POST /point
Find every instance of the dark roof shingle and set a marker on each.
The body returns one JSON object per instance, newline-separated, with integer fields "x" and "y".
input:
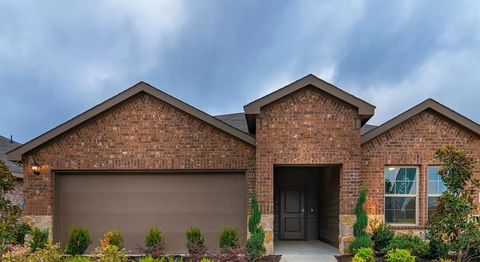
{"x": 5, "y": 146}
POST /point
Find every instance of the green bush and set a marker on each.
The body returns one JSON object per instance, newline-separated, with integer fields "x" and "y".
{"x": 207, "y": 260}
{"x": 381, "y": 236}
{"x": 154, "y": 238}
{"x": 48, "y": 253}
{"x": 254, "y": 245}
{"x": 195, "y": 241}
{"x": 358, "y": 259}
{"x": 414, "y": 244}
{"x": 399, "y": 255}
{"x": 360, "y": 242}
{"x": 436, "y": 248}
{"x": 361, "y": 218}
{"x": 228, "y": 239}
{"x": 113, "y": 238}
{"x": 162, "y": 259}
{"x": 78, "y": 242}
{"x": 39, "y": 239}
{"x": 361, "y": 221}
{"x": 365, "y": 253}
{"x": 149, "y": 259}
{"x": 110, "y": 253}
{"x": 20, "y": 231}
{"x": 77, "y": 259}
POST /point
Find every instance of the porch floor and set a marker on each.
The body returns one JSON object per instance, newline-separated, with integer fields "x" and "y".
{"x": 293, "y": 251}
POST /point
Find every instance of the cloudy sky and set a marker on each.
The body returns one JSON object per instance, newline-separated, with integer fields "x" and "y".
{"x": 58, "y": 59}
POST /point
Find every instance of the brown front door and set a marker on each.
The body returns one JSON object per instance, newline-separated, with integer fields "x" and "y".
{"x": 292, "y": 212}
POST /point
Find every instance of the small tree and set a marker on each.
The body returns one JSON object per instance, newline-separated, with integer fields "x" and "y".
{"x": 360, "y": 226}
{"x": 452, "y": 220}
{"x": 9, "y": 213}
{"x": 255, "y": 246}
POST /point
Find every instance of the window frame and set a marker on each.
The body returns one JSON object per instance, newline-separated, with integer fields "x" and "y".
{"x": 416, "y": 195}
{"x": 428, "y": 188}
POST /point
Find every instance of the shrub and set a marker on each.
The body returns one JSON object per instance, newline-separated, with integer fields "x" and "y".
{"x": 112, "y": 238}
{"x": 436, "y": 248}
{"x": 154, "y": 243}
{"x": 365, "y": 253}
{"x": 154, "y": 238}
{"x": 381, "y": 236}
{"x": 207, "y": 260}
{"x": 228, "y": 239}
{"x": 39, "y": 239}
{"x": 48, "y": 253}
{"x": 20, "y": 231}
{"x": 361, "y": 220}
{"x": 10, "y": 213}
{"x": 414, "y": 244}
{"x": 255, "y": 246}
{"x": 77, "y": 259}
{"x": 360, "y": 242}
{"x": 358, "y": 259}
{"x": 163, "y": 259}
{"x": 195, "y": 241}
{"x": 110, "y": 253}
{"x": 399, "y": 255}
{"x": 78, "y": 242}
{"x": 148, "y": 259}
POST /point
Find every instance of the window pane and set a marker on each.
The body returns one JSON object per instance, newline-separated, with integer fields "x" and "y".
{"x": 432, "y": 203}
{"x": 400, "y": 210}
{"x": 400, "y": 180}
{"x": 435, "y": 182}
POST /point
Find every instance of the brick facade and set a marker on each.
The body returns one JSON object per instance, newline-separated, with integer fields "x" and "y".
{"x": 412, "y": 143}
{"x": 308, "y": 127}
{"x": 140, "y": 133}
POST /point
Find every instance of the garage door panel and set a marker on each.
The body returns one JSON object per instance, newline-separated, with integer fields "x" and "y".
{"x": 133, "y": 203}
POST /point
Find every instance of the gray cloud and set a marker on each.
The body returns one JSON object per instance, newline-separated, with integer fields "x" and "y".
{"x": 61, "y": 58}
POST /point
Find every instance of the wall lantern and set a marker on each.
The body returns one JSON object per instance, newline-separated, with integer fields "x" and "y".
{"x": 36, "y": 168}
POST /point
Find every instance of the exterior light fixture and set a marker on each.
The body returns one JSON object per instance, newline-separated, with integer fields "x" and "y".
{"x": 35, "y": 168}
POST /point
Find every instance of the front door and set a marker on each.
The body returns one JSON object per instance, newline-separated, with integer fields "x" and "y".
{"x": 292, "y": 211}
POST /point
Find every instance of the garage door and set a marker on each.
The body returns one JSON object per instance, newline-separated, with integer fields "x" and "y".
{"x": 133, "y": 203}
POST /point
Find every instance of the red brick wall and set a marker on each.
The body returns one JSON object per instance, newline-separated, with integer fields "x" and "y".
{"x": 308, "y": 127}
{"x": 412, "y": 143}
{"x": 141, "y": 133}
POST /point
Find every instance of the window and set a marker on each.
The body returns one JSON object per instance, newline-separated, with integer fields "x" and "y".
{"x": 401, "y": 195}
{"x": 435, "y": 188}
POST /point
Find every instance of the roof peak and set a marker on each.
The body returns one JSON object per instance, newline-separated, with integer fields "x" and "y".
{"x": 428, "y": 103}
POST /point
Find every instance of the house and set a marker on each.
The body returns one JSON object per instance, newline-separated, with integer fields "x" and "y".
{"x": 16, "y": 196}
{"x": 144, "y": 158}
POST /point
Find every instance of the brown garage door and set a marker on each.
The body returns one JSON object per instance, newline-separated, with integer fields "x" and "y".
{"x": 133, "y": 203}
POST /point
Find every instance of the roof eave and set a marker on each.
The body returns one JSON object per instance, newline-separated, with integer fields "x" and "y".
{"x": 425, "y": 105}
{"x": 16, "y": 154}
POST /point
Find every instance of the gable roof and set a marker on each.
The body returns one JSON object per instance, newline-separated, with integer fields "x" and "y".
{"x": 365, "y": 110}
{"x": 7, "y": 144}
{"x": 427, "y": 104}
{"x": 16, "y": 154}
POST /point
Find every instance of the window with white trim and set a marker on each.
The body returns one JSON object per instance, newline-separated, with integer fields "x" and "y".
{"x": 401, "y": 195}
{"x": 435, "y": 188}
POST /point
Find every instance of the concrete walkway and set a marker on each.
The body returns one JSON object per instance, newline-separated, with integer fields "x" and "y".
{"x": 305, "y": 251}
